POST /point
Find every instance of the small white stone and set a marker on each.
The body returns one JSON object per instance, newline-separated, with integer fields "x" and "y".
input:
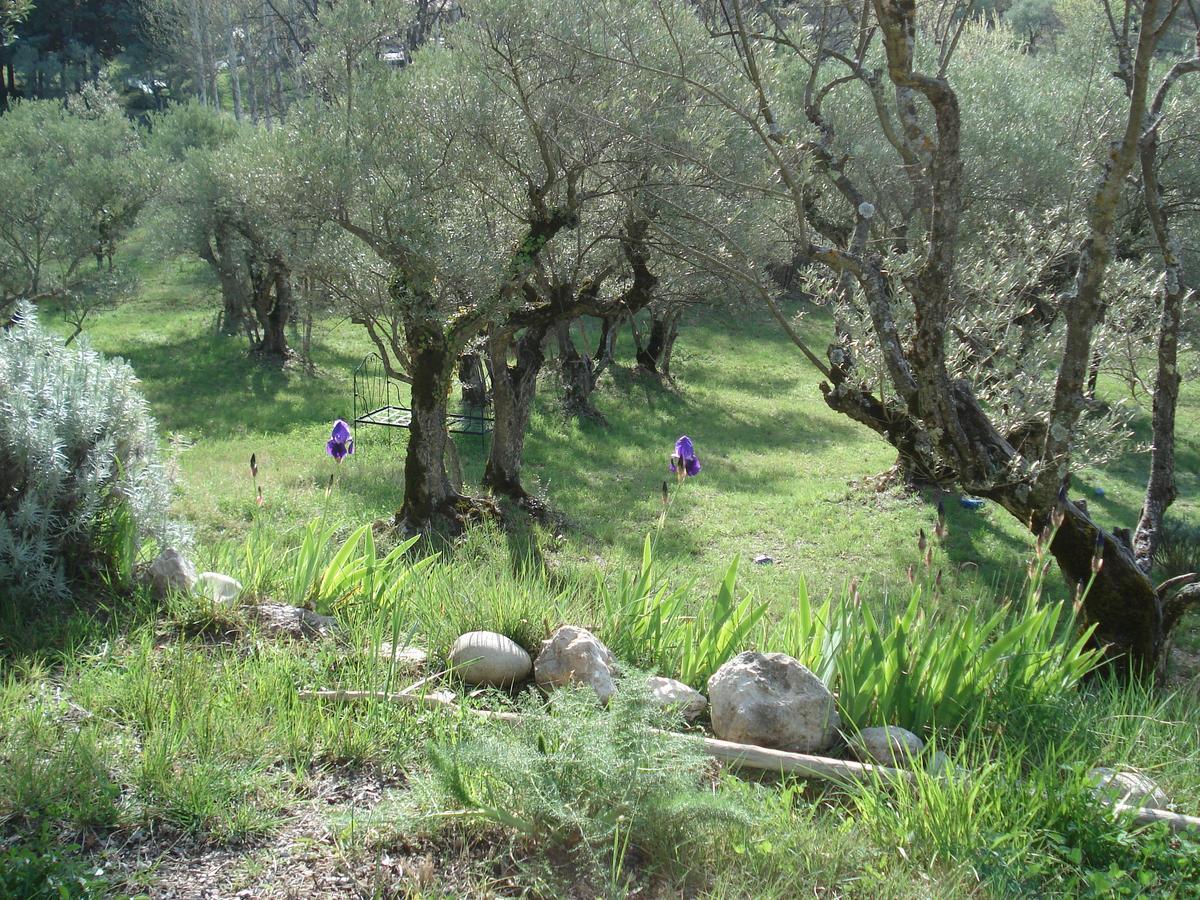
{"x": 888, "y": 745}
{"x": 217, "y": 587}
{"x": 488, "y": 658}
{"x": 667, "y": 693}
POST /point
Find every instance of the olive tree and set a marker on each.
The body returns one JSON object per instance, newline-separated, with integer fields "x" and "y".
{"x": 454, "y": 175}
{"x": 75, "y": 179}
{"x": 888, "y": 240}
{"x": 227, "y": 198}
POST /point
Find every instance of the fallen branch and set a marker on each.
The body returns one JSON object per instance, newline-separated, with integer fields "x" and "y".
{"x": 1149, "y": 815}
{"x": 749, "y": 756}
{"x": 745, "y": 756}
{"x": 1178, "y": 581}
{"x": 842, "y": 771}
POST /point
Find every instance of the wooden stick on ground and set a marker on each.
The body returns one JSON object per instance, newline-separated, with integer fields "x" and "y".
{"x": 841, "y": 771}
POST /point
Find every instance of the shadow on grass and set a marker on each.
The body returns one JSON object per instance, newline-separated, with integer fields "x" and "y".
{"x": 57, "y": 631}
{"x": 212, "y": 384}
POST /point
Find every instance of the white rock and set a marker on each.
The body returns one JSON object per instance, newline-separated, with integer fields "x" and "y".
{"x": 940, "y": 764}
{"x": 1129, "y": 787}
{"x": 574, "y": 655}
{"x": 404, "y": 657}
{"x": 488, "y": 658}
{"x": 771, "y": 700}
{"x": 217, "y": 587}
{"x": 171, "y": 572}
{"x": 667, "y": 693}
{"x": 281, "y": 620}
{"x": 888, "y": 745}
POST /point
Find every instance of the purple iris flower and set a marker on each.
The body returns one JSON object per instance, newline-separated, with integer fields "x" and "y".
{"x": 340, "y": 444}
{"x": 684, "y": 460}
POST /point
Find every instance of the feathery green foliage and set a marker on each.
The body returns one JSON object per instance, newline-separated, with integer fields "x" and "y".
{"x": 596, "y": 784}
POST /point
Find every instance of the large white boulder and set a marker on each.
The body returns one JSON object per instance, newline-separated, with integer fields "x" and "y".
{"x": 1124, "y": 786}
{"x": 171, "y": 572}
{"x": 667, "y": 693}
{"x": 488, "y": 658}
{"x": 573, "y": 655}
{"x": 888, "y": 745}
{"x": 771, "y": 700}
{"x": 217, "y": 587}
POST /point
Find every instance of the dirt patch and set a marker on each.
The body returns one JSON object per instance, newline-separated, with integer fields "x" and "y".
{"x": 302, "y": 858}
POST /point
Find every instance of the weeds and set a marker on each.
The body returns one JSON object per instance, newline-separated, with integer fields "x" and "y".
{"x": 47, "y": 870}
{"x": 599, "y": 788}
{"x": 646, "y": 621}
{"x": 208, "y": 739}
{"x": 1178, "y": 550}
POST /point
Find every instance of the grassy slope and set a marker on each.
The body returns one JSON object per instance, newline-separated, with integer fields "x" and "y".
{"x": 201, "y": 741}
{"x": 779, "y": 467}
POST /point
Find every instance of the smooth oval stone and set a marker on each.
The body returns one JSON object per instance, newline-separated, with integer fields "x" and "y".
{"x": 488, "y": 658}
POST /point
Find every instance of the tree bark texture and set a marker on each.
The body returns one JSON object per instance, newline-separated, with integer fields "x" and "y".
{"x": 577, "y": 378}
{"x": 513, "y": 386}
{"x": 428, "y": 493}
{"x": 1161, "y": 489}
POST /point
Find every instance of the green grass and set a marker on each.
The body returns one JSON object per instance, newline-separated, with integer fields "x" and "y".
{"x": 782, "y": 473}
{"x": 197, "y": 736}
{"x": 182, "y": 723}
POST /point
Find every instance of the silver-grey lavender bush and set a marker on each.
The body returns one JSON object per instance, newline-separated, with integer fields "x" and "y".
{"x": 80, "y": 472}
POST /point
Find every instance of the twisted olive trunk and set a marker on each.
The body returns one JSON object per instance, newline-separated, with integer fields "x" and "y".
{"x": 655, "y": 356}
{"x": 429, "y": 495}
{"x": 1122, "y": 601}
{"x": 235, "y": 298}
{"x": 1161, "y": 489}
{"x": 471, "y": 379}
{"x": 578, "y": 379}
{"x": 513, "y": 390}
{"x": 273, "y": 309}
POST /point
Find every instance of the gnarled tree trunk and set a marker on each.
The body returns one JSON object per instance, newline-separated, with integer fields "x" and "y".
{"x": 471, "y": 377}
{"x": 235, "y": 298}
{"x": 576, "y": 372}
{"x": 274, "y": 308}
{"x": 513, "y": 389}
{"x": 655, "y": 356}
{"x": 1161, "y": 489}
{"x": 606, "y": 347}
{"x": 429, "y": 495}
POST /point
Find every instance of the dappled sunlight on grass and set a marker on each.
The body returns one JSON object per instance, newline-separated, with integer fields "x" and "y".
{"x": 782, "y": 473}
